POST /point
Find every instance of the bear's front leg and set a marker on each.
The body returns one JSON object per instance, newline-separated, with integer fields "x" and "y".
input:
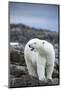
{"x": 50, "y": 67}
{"x": 49, "y": 71}
{"x": 41, "y": 68}
{"x": 31, "y": 68}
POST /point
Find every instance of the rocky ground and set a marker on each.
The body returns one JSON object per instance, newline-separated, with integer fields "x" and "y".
{"x": 18, "y": 73}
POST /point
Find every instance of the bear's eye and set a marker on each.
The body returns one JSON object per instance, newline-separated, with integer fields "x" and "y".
{"x": 43, "y": 42}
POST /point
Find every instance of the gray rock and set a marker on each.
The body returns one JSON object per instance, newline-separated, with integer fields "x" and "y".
{"x": 29, "y": 81}
{"x": 17, "y": 70}
{"x": 55, "y": 73}
{"x": 19, "y": 77}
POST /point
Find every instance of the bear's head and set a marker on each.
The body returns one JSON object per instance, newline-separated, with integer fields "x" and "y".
{"x": 40, "y": 46}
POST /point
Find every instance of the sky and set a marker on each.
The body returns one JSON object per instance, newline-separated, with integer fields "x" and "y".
{"x": 40, "y": 16}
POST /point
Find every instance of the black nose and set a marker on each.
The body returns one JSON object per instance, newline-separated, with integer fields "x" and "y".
{"x": 29, "y": 46}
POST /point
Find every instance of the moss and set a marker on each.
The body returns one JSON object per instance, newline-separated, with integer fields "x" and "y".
{"x": 16, "y": 57}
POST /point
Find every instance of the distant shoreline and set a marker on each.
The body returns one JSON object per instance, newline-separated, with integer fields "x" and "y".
{"x": 24, "y": 25}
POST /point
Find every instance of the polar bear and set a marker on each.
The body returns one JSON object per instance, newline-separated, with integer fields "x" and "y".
{"x": 40, "y": 57}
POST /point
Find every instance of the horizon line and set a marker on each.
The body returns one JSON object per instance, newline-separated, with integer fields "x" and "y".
{"x": 34, "y": 27}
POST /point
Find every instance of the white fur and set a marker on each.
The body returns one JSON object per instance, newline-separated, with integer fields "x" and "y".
{"x": 40, "y": 61}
